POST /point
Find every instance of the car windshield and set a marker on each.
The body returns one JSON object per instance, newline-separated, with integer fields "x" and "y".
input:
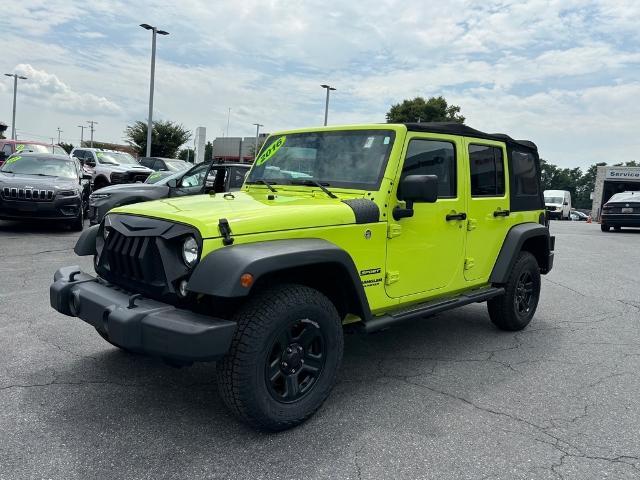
{"x": 553, "y": 199}
{"x": 46, "y": 166}
{"x": 625, "y": 197}
{"x": 161, "y": 178}
{"x": 116, "y": 158}
{"x": 32, "y": 148}
{"x": 57, "y": 150}
{"x": 349, "y": 159}
{"x": 176, "y": 165}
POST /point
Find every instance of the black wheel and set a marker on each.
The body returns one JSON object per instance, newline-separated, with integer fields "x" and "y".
{"x": 78, "y": 224}
{"x": 283, "y": 359}
{"x": 106, "y": 338}
{"x": 604, "y": 228}
{"x": 515, "y": 309}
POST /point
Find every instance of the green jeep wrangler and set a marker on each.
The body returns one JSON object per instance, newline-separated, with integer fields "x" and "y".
{"x": 366, "y": 225}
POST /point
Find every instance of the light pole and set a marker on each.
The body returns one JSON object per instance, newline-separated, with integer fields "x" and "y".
{"x": 92, "y": 123}
{"x": 59, "y": 132}
{"x": 155, "y": 32}
{"x": 81, "y": 127}
{"x": 326, "y": 105}
{"x": 15, "y": 91}
{"x": 255, "y": 153}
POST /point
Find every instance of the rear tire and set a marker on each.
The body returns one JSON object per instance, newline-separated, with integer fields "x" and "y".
{"x": 283, "y": 359}
{"x": 604, "y": 228}
{"x": 514, "y": 310}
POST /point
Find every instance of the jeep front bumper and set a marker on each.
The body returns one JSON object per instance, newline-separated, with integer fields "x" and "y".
{"x": 140, "y": 324}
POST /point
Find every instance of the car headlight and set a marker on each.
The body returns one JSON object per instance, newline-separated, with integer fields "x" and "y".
{"x": 99, "y": 196}
{"x": 190, "y": 251}
{"x": 69, "y": 193}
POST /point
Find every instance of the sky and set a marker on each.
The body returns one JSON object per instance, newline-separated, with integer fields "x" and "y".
{"x": 564, "y": 74}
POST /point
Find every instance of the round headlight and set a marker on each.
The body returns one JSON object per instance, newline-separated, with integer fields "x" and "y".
{"x": 190, "y": 251}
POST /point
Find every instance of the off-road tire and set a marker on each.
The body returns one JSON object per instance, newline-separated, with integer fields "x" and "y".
{"x": 242, "y": 373}
{"x": 504, "y": 310}
{"x": 604, "y": 228}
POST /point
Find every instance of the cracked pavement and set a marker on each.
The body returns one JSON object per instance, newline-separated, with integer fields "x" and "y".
{"x": 449, "y": 397}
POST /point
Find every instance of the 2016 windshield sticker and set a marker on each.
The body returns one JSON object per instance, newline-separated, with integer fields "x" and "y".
{"x": 154, "y": 175}
{"x": 12, "y": 160}
{"x": 19, "y": 147}
{"x": 270, "y": 152}
{"x": 99, "y": 154}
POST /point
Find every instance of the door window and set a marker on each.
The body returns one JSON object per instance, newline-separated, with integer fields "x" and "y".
{"x": 433, "y": 157}
{"x": 237, "y": 177}
{"x": 487, "y": 171}
{"x": 195, "y": 177}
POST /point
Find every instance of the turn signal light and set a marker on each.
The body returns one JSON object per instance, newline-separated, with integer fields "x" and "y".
{"x": 246, "y": 280}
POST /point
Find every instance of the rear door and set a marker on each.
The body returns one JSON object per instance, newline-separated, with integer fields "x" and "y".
{"x": 488, "y": 207}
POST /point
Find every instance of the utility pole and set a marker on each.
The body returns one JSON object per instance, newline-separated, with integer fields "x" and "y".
{"x": 15, "y": 93}
{"x": 92, "y": 123}
{"x": 82, "y": 127}
{"x": 326, "y": 105}
{"x": 228, "y": 119}
{"x": 155, "y": 32}
{"x": 59, "y": 132}
{"x": 52, "y": 139}
{"x": 255, "y": 153}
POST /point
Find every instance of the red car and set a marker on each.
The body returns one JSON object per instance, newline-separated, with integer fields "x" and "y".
{"x": 8, "y": 147}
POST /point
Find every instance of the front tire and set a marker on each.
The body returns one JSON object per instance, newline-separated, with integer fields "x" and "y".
{"x": 283, "y": 359}
{"x": 604, "y": 228}
{"x": 514, "y": 310}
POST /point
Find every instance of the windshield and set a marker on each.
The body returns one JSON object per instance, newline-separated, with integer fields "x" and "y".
{"x": 161, "y": 178}
{"x": 116, "y": 158}
{"x": 349, "y": 159}
{"x": 31, "y": 165}
{"x": 553, "y": 200}
{"x": 625, "y": 197}
{"x": 177, "y": 165}
{"x": 57, "y": 150}
{"x": 32, "y": 147}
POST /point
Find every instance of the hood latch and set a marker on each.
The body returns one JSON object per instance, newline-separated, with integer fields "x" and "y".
{"x": 225, "y": 231}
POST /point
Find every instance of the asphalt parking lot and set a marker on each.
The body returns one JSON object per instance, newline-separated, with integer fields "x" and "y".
{"x": 448, "y": 397}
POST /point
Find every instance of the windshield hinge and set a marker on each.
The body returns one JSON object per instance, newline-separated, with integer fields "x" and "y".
{"x": 225, "y": 231}
{"x": 394, "y": 230}
{"x": 391, "y": 277}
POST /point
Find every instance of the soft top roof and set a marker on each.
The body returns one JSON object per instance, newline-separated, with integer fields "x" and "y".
{"x": 453, "y": 128}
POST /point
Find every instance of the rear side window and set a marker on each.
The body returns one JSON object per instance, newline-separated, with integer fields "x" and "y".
{"x": 487, "y": 171}
{"x": 433, "y": 157}
{"x": 525, "y": 180}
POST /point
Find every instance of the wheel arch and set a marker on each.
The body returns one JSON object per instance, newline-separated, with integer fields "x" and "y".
{"x": 315, "y": 263}
{"x": 530, "y": 237}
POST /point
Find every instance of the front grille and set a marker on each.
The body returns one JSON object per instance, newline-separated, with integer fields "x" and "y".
{"x": 38, "y": 195}
{"x": 133, "y": 258}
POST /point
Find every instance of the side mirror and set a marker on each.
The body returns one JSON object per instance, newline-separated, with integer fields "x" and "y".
{"x": 173, "y": 183}
{"x": 565, "y": 203}
{"x": 415, "y": 188}
{"x": 87, "y": 176}
{"x": 3, "y": 155}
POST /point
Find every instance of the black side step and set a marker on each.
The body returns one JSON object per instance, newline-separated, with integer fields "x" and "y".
{"x": 431, "y": 308}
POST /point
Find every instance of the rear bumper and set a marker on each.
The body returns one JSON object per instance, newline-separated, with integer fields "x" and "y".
{"x": 140, "y": 324}
{"x": 621, "y": 220}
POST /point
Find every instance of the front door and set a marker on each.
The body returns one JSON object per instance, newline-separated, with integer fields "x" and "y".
{"x": 488, "y": 207}
{"x": 424, "y": 252}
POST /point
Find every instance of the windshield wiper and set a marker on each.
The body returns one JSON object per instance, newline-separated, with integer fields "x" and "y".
{"x": 314, "y": 183}
{"x": 262, "y": 182}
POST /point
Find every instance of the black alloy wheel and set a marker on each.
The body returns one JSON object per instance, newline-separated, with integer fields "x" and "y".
{"x": 524, "y": 293}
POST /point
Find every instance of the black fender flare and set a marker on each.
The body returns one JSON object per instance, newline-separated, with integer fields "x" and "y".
{"x": 512, "y": 245}
{"x": 218, "y": 274}
{"x": 86, "y": 244}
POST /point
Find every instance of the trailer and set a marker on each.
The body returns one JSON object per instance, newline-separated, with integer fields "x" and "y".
{"x": 612, "y": 180}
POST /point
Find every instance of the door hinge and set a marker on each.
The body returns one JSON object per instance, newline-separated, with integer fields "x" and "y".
{"x": 391, "y": 277}
{"x": 472, "y": 224}
{"x": 394, "y": 230}
{"x": 469, "y": 263}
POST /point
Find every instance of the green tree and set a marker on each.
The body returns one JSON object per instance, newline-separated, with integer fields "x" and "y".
{"x": 187, "y": 154}
{"x": 67, "y": 146}
{"x": 208, "y": 152}
{"x": 435, "y": 109}
{"x": 167, "y": 137}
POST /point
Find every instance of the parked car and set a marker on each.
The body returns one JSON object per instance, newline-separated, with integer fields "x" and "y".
{"x": 110, "y": 167}
{"x": 578, "y": 216}
{"x": 388, "y": 223}
{"x": 43, "y": 186}
{"x": 621, "y": 210}
{"x": 9, "y": 147}
{"x": 219, "y": 178}
{"x": 558, "y": 204}
{"x": 160, "y": 164}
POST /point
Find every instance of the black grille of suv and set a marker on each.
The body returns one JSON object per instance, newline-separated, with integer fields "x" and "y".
{"x": 133, "y": 258}
{"x": 39, "y": 195}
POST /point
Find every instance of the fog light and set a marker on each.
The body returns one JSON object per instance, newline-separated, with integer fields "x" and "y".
{"x": 182, "y": 289}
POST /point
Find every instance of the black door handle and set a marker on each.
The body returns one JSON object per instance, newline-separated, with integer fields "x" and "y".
{"x": 456, "y": 216}
{"x": 501, "y": 213}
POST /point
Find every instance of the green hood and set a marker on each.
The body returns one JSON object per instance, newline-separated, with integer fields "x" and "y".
{"x": 247, "y": 212}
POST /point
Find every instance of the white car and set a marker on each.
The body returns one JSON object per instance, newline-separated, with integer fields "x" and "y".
{"x": 110, "y": 167}
{"x": 558, "y": 204}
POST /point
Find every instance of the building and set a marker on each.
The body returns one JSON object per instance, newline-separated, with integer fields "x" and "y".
{"x": 236, "y": 149}
{"x": 611, "y": 180}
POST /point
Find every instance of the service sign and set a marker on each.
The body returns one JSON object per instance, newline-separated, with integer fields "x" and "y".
{"x": 622, "y": 173}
